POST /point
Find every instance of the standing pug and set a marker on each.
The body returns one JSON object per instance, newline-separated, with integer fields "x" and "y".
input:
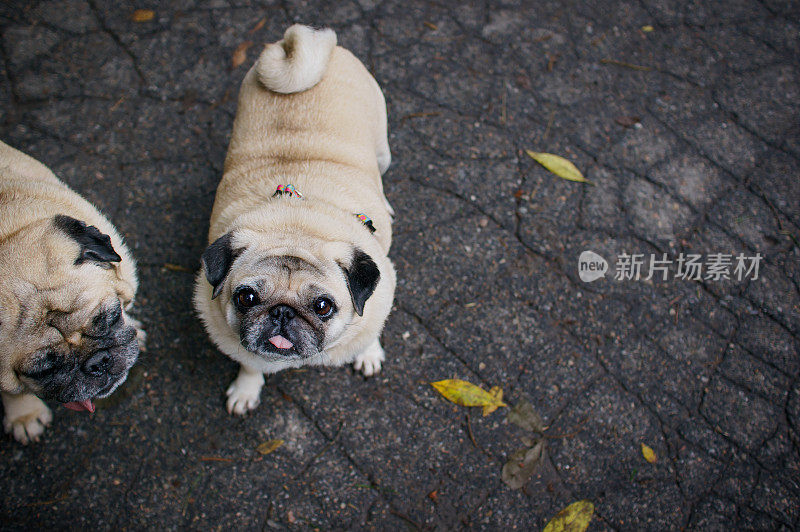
{"x": 67, "y": 279}
{"x": 297, "y": 271}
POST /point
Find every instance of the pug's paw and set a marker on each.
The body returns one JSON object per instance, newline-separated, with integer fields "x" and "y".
{"x": 26, "y": 417}
{"x": 141, "y": 336}
{"x": 244, "y": 393}
{"x": 369, "y": 360}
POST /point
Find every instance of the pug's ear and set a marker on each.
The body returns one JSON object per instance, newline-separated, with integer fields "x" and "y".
{"x": 362, "y": 277}
{"x": 217, "y": 260}
{"x": 95, "y": 246}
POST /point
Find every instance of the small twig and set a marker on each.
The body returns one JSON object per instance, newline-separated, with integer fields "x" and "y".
{"x": 405, "y": 518}
{"x": 117, "y": 104}
{"x": 626, "y": 65}
{"x": 215, "y": 459}
{"x": 418, "y": 115}
{"x": 504, "y": 107}
{"x": 472, "y": 437}
{"x": 176, "y": 268}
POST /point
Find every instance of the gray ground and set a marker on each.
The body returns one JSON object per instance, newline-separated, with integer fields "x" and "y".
{"x": 691, "y": 135}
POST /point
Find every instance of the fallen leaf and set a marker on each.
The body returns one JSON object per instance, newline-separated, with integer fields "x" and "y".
{"x": 647, "y": 29}
{"x": 240, "y": 54}
{"x": 434, "y": 495}
{"x": 143, "y": 15}
{"x": 431, "y": 25}
{"x": 627, "y": 121}
{"x": 558, "y": 165}
{"x": 573, "y": 518}
{"x": 524, "y": 416}
{"x": 466, "y": 394}
{"x": 521, "y": 465}
{"x": 497, "y": 393}
{"x": 649, "y": 454}
{"x": 269, "y": 446}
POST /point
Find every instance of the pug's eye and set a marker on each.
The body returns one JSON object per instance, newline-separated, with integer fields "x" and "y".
{"x": 46, "y": 366}
{"x": 246, "y": 298}
{"x": 323, "y": 307}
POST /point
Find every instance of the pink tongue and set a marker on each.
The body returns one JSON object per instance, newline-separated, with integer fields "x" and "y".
{"x": 280, "y": 342}
{"x": 81, "y": 405}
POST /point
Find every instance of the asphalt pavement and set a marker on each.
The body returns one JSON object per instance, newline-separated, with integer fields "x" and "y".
{"x": 683, "y": 116}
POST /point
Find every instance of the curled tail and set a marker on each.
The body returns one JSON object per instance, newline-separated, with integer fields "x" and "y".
{"x": 298, "y": 62}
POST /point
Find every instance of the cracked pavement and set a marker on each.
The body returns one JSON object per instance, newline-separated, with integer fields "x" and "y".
{"x": 689, "y": 132}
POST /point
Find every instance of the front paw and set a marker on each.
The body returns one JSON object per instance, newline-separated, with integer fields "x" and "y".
{"x": 369, "y": 360}
{"x": 26, "y": 416}
{"x": 141, "y": 336}
{"x": 244, "y": 393}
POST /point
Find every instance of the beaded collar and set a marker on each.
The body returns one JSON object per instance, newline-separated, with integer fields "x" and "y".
{"x": 291, "y": 191}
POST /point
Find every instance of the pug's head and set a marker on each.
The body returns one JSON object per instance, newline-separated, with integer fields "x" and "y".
{"x": 63, "y": 334}
{"x": 288, "y": 300}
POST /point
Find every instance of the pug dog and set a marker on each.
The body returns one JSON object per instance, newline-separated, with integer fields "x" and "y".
{"x": 297, "y": 271}
{"x": 67, "y": 282}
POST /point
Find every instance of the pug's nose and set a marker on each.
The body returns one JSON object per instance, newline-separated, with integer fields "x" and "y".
{"x": 98, "y": 364}
{"x": 281, "y": 314}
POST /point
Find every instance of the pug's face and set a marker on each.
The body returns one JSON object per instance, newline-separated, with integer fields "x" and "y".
{"x": 63, "y": 334}
{"x": 289, "y": 301}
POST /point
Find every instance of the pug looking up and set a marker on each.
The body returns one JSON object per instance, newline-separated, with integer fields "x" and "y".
{"x": 67, "y": 279}
{"x": 297, "y": 271}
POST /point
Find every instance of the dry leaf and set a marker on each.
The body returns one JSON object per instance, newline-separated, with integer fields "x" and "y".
{"x": 521, "y": 465}
{"x": 269, "y": 446}
{"x": 497, "y": 393}
{"x": 524, "y": 416}
{"x": 647, "y": 29}
{"x": 573, "y": 518}
{"x": 558, "y": 165}
{"x": 649, "y": 454}
{"x": 240, "y": 54}
{"x": 467, "y": 394}
{"x": 143, "y": 15}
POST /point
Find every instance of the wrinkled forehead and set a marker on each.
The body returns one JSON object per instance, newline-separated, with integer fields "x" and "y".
{"x": 289, "y": 270}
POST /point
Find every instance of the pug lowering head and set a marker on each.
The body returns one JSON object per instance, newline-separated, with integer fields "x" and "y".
{"x": 67, "y": 281}
{"x": 297, "y": 271}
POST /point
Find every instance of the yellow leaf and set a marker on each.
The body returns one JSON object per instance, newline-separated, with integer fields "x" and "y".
{"x": 467, "y": 394}
{"x": 497, "y": 393}
{"x": 240, "y": 54}
{"x": 269, "y": 446}
{"x": 573, "y": 518}
{"x": 558, "y": 165}
{"x": 649, "y": 454}
{"x": 143, "y": 15}
{"x": 647, "y": 29}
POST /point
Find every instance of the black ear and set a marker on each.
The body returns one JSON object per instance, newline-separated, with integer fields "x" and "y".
{"x": 217, "y": 260}
{"x": 95, "y": 246}
{"x": 362, "y": 278}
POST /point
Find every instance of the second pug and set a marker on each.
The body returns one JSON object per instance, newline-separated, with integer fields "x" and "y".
{"x": 66, "y": 279}
{"x": 297, "y": 271}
